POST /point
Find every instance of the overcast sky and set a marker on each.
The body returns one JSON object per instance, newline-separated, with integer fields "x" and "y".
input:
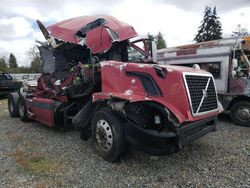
{"x": 178, "y": 20}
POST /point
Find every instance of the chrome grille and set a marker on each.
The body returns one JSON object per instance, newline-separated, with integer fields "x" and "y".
{"x": 202, "y": 93}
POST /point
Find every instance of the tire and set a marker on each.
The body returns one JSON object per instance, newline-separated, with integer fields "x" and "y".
{"x": 22, "y": 109}
{"x": 13, "y": 104}
{"x": 240, "y": 113}
{"x": 108, "y": 135}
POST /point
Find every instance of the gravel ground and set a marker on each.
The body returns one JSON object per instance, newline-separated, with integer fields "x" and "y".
{"x": 32, "y": 155}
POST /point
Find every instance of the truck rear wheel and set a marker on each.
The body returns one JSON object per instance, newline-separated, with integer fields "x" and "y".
{"x": 108, "y": 135}
{"x": 240, "y": 113}
{"x": 22, "y": 109}
{"x": 13, "y": 104}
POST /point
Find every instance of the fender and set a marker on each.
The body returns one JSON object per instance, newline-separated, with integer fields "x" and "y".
{"x": 139, "y": 98}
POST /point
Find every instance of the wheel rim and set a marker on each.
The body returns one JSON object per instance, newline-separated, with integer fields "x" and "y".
{"x": 104, "y": 135}
{"x": 244, "y": 113}
{"x": 11, "y": 107}
{"x": 21, "y": 109}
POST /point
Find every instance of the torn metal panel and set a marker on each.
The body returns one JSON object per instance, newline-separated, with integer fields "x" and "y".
{"x": 96, "y": 32}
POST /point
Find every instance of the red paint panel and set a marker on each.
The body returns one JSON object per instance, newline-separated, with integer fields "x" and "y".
{"x": 98, "y": 40}
{"x": 186, "y": 52}
{"x": 67, "y": 29}
{"x": 42, "y": 110}
{"x": 115, "y": 83}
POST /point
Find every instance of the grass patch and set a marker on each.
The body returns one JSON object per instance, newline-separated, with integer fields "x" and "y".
{"x": 3, "y": 102}
{"x": 40, "y": 164}
{"x": 15, "y": 138}
{"x": 3, "y": 107}
{"x": 34, "y": 163}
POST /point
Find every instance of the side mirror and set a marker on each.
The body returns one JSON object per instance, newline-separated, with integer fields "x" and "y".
{"x": 233, "y": 73}
{"x": 234, "y": 67}
{"x": 153, "y": 50}
{"x": 234, "y": 63}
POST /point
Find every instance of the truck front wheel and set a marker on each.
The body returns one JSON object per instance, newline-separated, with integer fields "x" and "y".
{"x": 240, "y": 113}
{"x": 108, "y": 135}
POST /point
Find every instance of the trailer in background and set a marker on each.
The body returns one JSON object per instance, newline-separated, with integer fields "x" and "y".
{"x": 8, "y": 84}
{"x": 25, "y": 76}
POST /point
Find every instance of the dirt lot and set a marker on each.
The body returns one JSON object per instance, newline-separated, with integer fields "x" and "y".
{"x": 32, "y": 155}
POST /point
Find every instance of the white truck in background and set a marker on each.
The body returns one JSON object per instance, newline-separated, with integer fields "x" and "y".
{"x": 228, "y": 61}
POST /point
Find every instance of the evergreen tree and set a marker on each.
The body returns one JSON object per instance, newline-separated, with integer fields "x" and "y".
{"x": 12, "y": 61}
{"x": 210, "y": 28}
{"x": 216, "y": 30}
{"x": 202, "y": 28}
{"x": 3, "y": 65}
{"x": 240, "y": 31}
{"x": 36, "y": 62}
{"x": 36, "y": 65}
{"x": 160, "y": 41}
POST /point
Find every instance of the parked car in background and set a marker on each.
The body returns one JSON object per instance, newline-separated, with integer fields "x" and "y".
{"x": 30, "y": 82}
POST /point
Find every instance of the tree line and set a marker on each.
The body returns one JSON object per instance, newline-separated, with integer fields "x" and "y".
{"x": 10, "y": 65}
{"x": 209, "y": 29}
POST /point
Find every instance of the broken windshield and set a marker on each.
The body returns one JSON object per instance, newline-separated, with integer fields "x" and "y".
{"x": 137, "y": 52}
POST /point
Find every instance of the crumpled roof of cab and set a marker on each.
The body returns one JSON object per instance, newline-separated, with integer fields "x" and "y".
{"x": 97, "y": 37}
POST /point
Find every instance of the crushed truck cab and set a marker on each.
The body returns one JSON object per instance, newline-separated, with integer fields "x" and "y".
{"x": 97, "y": 80}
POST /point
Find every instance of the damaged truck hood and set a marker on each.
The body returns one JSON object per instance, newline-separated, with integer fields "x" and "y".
{"x": 96, "y": 32}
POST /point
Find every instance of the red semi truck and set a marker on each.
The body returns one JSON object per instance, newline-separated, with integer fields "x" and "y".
{"x": 98, "y": 81}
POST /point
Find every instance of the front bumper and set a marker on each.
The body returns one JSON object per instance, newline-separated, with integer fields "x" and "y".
{"x": 158, "y": 143}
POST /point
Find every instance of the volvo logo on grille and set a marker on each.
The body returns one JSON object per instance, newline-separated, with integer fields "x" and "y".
{"x": 204, "y": 91}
